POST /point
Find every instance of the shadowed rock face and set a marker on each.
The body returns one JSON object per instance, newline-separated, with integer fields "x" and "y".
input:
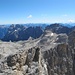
{"x": 51, "y": 54}
{"x": 20, "y": 32}
{"x": 72, "y": 44}
{"x": 3, "y": 30}
{"x": 58, "y": 28}
{"x": 59, "y": 60}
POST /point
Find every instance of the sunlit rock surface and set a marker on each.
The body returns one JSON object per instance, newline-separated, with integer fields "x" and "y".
{"x": 51, "y": 54}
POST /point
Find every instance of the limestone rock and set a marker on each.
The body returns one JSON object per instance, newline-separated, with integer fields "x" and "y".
{"x": 51, "y": 54}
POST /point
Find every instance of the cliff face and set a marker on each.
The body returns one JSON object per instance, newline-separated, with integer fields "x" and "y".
{"x": 3, "y": 30}
{"x": 59, "y": 28}
{"x": 72, "y": 45}
{"x": 20, "y": 32}
{"x": 57, "y": 55}
{"x": 59, "y": 60}
{"x": 47, "y": 55}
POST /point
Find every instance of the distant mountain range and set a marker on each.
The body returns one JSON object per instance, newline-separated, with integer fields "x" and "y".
{"x": 16, "y": 32}
{"x": 58, "y": 28}
{"x": 19, "y": 32}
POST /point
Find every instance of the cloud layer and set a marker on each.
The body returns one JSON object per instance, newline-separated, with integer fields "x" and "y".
{"x": 71, "y": 20}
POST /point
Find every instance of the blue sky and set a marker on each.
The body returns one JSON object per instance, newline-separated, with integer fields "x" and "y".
{"x": 37, "y": 11}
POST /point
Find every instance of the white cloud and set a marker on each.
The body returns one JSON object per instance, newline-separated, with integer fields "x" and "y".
{"x": 71, "y": 20}
{"x": 65, "y": 15}
{"x": 30, "y": 16}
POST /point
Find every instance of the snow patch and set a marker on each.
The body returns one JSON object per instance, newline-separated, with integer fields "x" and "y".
{"x": 45, "y": 66}
{"x": 52, "y": 34}
{"x": 15, "y": 30}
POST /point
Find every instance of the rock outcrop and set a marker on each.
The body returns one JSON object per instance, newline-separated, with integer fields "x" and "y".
{"x": 51, "y": 54}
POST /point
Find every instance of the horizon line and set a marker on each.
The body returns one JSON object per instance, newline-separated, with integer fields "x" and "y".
{"x": 39, "y": 23}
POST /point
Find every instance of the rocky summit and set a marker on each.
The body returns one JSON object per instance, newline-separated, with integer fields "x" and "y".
{"x": 50, "y": 54}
